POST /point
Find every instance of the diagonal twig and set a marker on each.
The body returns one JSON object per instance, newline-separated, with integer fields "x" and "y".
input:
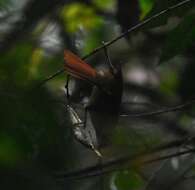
{"x": 94, "y": 171}
{"x": 107, "y": 166}
{"x": 132, "y": 29}
{"x": 161, "y": 111}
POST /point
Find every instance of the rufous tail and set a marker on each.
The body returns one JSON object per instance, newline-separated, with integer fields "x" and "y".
{"x": 77, "y": 67}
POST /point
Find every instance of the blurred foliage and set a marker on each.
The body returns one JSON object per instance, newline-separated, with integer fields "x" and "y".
{"x": 4, "y": 3}
{"x": 105, "y": 4}
{"x": 34, "y": 130}
{"x": 126, "y": 180}
{"x": 169, "y": 83}
{"x": 180, "y": 38}
{"x": 162, "y": 5}
{"x": 87, "y": 19}
{"x": 146, "y": 6}
{"x": 10, "y": 151}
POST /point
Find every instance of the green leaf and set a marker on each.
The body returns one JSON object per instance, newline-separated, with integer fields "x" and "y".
{"x": 104, "y": 4}
{"x": 75, "y": 17}
{"x": 10, "y": 151}
{"x": 169, "y": 82}
{"x": 181, "y": 38}
{"x": 128, "y": 180}
{"x": 93, "y": 39}
{"x": 146, "y": 6}
{"x": 15, "y": 65}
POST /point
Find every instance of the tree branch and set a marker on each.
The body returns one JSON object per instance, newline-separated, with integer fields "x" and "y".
{"x": 106, "y": 167}
{"x": 161, "y": 111}
{"x": 132, "y": 29}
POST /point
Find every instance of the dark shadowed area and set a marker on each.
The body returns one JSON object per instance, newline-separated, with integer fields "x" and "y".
{"x": 130, "y": 128}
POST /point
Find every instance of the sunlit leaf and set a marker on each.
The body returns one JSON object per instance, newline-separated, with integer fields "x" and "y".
{"x": 104, "y": 4}
{"x": 78, "y": 15}
{"x": 146, "y": 6}
{"x": 93, "y": 39}
{"x": 36, "y": 59}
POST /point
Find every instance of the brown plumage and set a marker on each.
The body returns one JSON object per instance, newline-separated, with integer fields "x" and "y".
{"x": 104, "y": 102}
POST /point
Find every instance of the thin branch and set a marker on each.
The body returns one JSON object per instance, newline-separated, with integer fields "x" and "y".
{"x": 79, "y": 176}
{"x": 60, "y": 71}
{"x": 139, "y": 25}
{"x": 107, "y": 166}
{"x": 168, "y": 156}
{"x": 149, "y": 161}
{"x": 132, "y": 29}
{"x": 161, "y": 111}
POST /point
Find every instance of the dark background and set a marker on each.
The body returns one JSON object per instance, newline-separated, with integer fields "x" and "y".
{"x": 36, "y": 140}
